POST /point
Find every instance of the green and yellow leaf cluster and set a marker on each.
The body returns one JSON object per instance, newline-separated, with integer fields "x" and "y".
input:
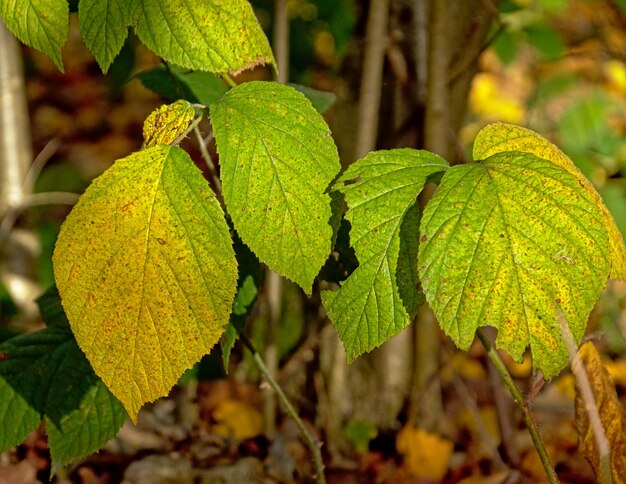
{"x": 506, "y": 241}
{"x": 204, "y": 35}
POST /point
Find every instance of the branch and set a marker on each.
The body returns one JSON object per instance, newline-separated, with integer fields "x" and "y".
{"x": 521, "y": 405}
{"x": 313, "y": 446}
{"x": 372, "y": 76}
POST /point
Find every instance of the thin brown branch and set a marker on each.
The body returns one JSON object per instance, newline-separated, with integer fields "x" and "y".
{"x": 372, "y": 76}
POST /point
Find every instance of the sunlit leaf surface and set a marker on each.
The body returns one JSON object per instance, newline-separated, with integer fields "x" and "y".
{"x": 380, "y": 297}
{"x": 146, "y": 271}
{"x": 500, "y": 137}
{"x": 277, "y": 160}
{"x": 208, "y": 35}
{"x": 507, "y": 242}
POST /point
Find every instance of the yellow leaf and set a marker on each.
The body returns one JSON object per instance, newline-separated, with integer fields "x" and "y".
{"x": 615, "y": 72}
{"x": 167, "y": 123}
{"x": 518, "y": 370}
{"x": 426, "y": 455}
{"x": 611, "y": 413}
{"x": 499, "y": 137}
{"x": 490, "y": 103}
{"x": 237, "y": 419}
{"x": 146, "y": 271}
{"x": 465, "y": 366}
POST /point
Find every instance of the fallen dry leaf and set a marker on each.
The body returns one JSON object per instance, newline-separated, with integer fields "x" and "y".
{"x": 237, "y": 419}
{"x": 611, "y": 413}
{"x": 426, "y": 455}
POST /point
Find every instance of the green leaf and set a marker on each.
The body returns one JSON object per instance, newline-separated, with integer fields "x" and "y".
{"x": 45, "y": 374}
{"x": 506, "y": 46}
{"x": 51, "y": 309}
{"x": 321, "y": 100}
{"x": 87, "y": 428}
{"x": 205, "y": 86}
{"x": 104, "y": 25}
{"x": 380, "y": 297}
{"x": 161, "y": 81}
{"x": 500, "y": 138}
{"x": 360, "y": 433}
{"x": 174, "y": 83}
{"x": 166, "y": 123}
{"x": 146, "y": 271}
{"x": 250, "y": 279}
{"x": 546, "y": 39}
{"x": 42, "y": 24}
{"x": 219, "y": 36}
{"x": 277, "y": 159}
{"x": 508, "y": 242}
{"x": 19, "y": 417}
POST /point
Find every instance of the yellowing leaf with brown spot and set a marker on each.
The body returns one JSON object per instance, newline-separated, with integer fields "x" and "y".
{"x": 426, "y": 455}
{"x": 501, "y": 137}
{"x": 146, "y": 272}
{"x": 611, "y": 413}
{"x": 167, "y": 123}
{"x": 507, "y": 242}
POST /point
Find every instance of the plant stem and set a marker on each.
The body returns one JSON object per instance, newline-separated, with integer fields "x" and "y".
{"x": 188, "y": 130}
{"x": 206, "y": 156}
{"x": 281, "y": 40}
{"x": 17, "y": 264}
{"x": 521, "y": 405}
{"x": 313, "y": 446}
{"x": 229, "y": 80}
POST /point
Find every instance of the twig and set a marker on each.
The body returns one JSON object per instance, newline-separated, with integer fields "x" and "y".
{"x": 372, "y": 76}
{"x": 229, "y": 80}
{"x": 206, "y": 156}
{"x": 33, "y": 200}
{"x": 38, "y": 163}
{"x": 314, "y": 447}
{"x": 521, "y": 405}
{"x": 505, "y": 414}
{"x": 281, "y": 40}
{"x": 456, "y": 75}
{"x": 582, "y": 379}
{"x": 478, "y": 49}
{"x": 188, "y": 130}
{"x": 274, "y": 290}
{"x": 420, "y": 46}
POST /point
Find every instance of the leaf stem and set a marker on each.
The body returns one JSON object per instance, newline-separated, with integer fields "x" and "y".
{"x": 190, "y": 128}
{"x": 313, "y": 446}
{"x": 521, "y": 405}
{"x": 206, "y": 156}
{"x": 229, "y": 80}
